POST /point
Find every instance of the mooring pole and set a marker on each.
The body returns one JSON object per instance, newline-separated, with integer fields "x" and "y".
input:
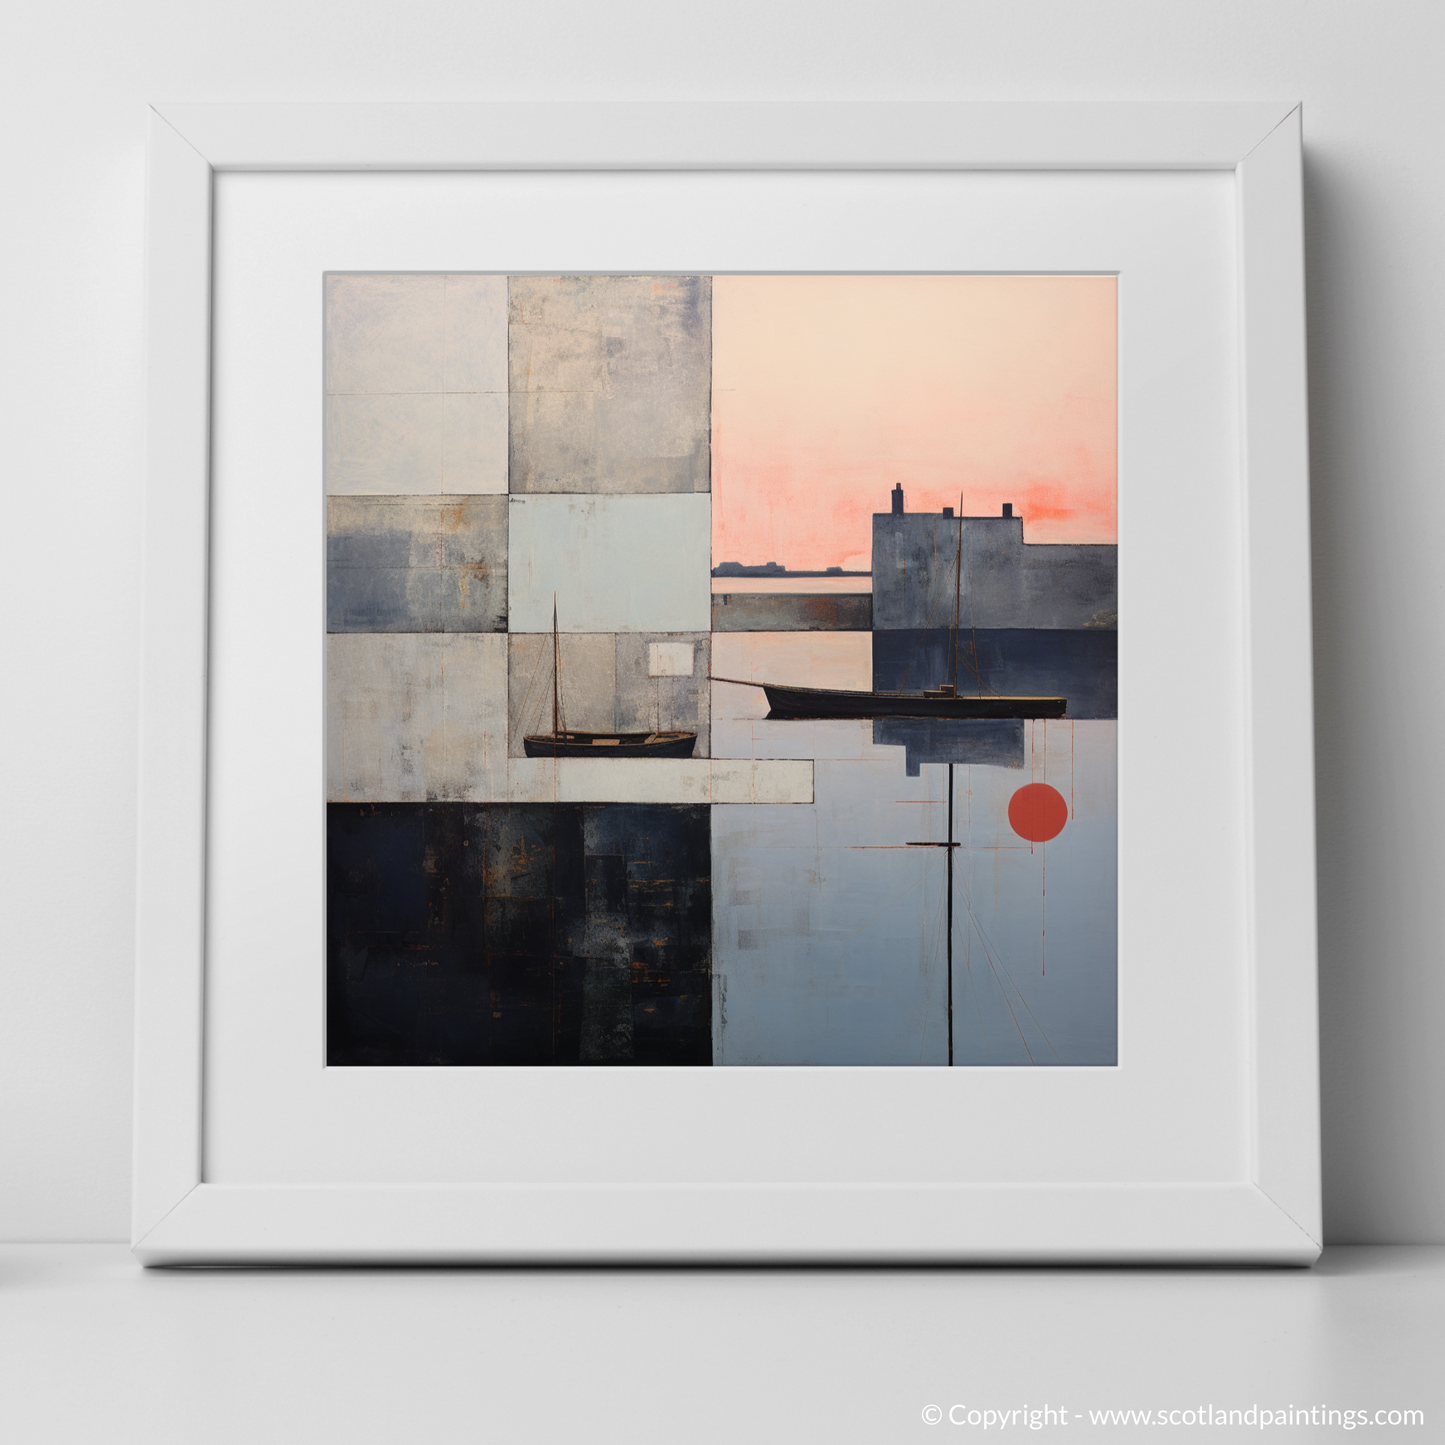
{"x": 949, "y": 851}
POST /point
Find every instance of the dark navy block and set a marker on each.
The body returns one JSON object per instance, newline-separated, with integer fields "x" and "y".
{"x": 1081, "y": 665}
{"x": 473, "y": 933}
{"x": 997, "y": 743}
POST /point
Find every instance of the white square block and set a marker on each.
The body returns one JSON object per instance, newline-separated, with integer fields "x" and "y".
{"x": 474, "y": 444}
{"x": 384, "y": 333}
{"x": 475, "y": 357}
{"x": 386, "y": 445}
{"x": 614, "y": 563}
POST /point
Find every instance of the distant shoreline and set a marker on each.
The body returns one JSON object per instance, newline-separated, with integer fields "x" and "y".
{"x": 736, "y": 571}
{"x": 858, "y": 582}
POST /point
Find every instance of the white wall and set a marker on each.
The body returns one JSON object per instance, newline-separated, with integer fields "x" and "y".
{"x": 75, "y": 77}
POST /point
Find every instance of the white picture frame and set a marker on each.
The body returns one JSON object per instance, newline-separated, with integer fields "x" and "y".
{"x": 1269, "y": 1213}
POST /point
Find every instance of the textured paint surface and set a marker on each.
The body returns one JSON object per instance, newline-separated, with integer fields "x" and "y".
{"x": 829, "y": 929}
{"x": 611, "y": 381}
{"x": 824, "y": 942}
{"x": 607, "y": 686}
{"x": 415, "y": 564}
{"x": 413, "y": 717}
{"x": 763, "y": 902}
{"x": 416, "y": 383}
{"x": 998, "y": 581}
{"x": 797, "y": 612}
{"x": 471, "y": 934}
{"x": 613, "y": 564}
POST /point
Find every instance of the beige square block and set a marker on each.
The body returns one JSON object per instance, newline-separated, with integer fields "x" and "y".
{"x": 476, "y": 334}
{"x": 414, "y": 717}
{"x": 611, "y": 383}
{"x": 390, "y": 445}
{"x": 385, "y": 333}
{"x": 474, "y": 444}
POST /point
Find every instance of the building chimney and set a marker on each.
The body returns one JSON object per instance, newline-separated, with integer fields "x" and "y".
{"x": 1008, "y": 509}
{"x": 948, "y": 511}
{"x": 898, "y": 499}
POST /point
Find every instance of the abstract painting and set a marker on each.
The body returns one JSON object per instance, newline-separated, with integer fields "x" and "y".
{"x": 721, "y": 670}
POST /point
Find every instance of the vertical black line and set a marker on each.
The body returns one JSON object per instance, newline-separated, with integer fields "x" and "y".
{"x": 958, "y": 592}
{"x": 949, "y": 851}
{"x": 552, "y": 911}
{"x": 556, "y": 675}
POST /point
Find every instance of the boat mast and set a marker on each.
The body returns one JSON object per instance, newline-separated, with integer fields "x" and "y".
{"x": 949, "y": 851}
{"x": 949, "y": 845}
{"x": 556, "y": 673}
{"x": 957, "y": 592}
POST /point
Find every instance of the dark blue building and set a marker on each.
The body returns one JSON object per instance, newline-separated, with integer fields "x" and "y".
{"x": 1032, "y": 619}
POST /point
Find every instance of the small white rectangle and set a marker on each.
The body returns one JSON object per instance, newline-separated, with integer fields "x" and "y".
{"x": 669, "y": 659}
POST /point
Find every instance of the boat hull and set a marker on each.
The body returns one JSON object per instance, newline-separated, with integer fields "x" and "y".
{"x": 609, "y": 745}
{"x": 814, "y": 702}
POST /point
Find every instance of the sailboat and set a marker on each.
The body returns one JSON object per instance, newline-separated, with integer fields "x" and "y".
{"x": 564, "y": 742}
{"x": 787, "y": 701}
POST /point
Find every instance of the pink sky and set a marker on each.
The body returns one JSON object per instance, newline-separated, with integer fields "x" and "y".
{"x": 829, "y": 389}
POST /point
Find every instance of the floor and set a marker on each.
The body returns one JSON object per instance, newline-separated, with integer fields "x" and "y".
{"x": 93, "y": 1348}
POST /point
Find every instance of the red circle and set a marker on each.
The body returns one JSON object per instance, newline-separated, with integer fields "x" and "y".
{"x": 1037, "y": 812}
